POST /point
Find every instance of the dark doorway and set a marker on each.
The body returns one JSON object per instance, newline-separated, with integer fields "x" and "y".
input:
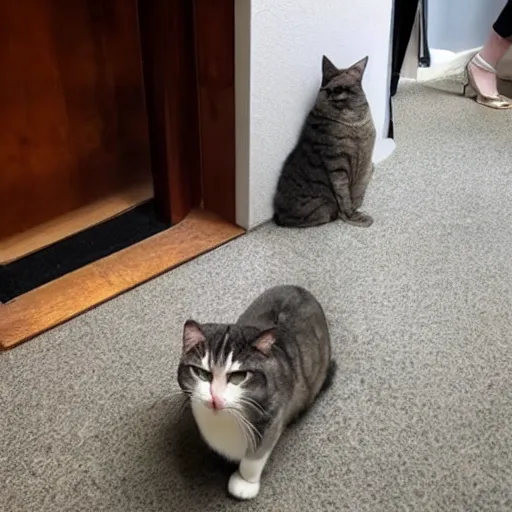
{"x": 404, "y": 16}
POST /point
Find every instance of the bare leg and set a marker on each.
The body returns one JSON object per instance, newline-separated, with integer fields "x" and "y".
{"x": 483, "y": 66}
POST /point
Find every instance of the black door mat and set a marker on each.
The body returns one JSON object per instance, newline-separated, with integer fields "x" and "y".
{"x": 78, "y": 250}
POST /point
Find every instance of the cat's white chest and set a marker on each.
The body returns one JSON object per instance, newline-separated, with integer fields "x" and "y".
{"x": 221, "y": 432}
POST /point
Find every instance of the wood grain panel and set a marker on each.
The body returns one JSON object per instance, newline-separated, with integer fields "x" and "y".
{"x": 73, "y": 126}
{"x": 43, "y": 235}
{"x": 188, "y": 56}
{"x": 215, "y": 50}
{"x": 58, "y": 301}
{"x": 166, "y": 29}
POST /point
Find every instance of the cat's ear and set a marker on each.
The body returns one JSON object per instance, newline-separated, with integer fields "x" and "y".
{"x": 192, "y": 335}
{"x": 329, "y": 70}
{"x": 360, "y": 66}
{"x": 265, "y": 341}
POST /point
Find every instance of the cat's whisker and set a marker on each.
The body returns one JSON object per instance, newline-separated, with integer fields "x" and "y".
{"x": 253, "y": 430}
{"x": 183, "y": 407}
{"x": 180, "y": 392}
{"x": 252, "y": 403}
{"x": 183, "y": 397}
{"x": 251, "y": 427}
{"x": 247, "y": 428}
{"x": 246, "y": 433}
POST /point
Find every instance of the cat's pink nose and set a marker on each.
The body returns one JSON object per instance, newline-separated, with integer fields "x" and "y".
{"x": 216, "y": 403}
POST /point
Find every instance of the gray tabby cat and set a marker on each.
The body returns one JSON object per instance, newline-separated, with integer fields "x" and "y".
{"x": 247, "y": 381}
{"x": 325, "y": 176}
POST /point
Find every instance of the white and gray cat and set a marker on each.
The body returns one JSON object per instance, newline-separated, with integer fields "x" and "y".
{"x": 326, "y": 175}
{"x": 247, "y": 381}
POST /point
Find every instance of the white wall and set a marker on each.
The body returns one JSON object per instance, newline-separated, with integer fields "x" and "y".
{"x": 279, "y": 46}
{"x": 459, "y": 25}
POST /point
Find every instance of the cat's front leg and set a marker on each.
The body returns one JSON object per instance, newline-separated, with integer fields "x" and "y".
{"x": 341, "y": 188}
{"x": 358, "y": 191}
{"x": 360, "y": 219}
{"x": 360, "y": 185}
{"x": 244, "y": 484}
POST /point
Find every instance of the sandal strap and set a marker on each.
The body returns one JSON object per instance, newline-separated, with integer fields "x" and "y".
{"x": 482, "y": 63}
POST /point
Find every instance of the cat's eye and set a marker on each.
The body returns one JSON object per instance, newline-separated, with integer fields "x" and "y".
{"x": 237, "y": 378}
{"x": 202, "y": 374}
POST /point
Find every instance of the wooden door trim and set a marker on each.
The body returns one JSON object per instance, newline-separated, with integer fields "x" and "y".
{"x": 214, "y": 23}
{"x": 168, "y": 65}
{"x": 188, "y": 66}
{"x": 45, "y": 307}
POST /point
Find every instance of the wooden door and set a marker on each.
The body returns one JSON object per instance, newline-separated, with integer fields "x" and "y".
{"x": 73, "y": 127}
{"x": 73, "y": 68}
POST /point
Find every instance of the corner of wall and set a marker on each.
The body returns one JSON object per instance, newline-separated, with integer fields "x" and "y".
{"x": 278, "y": 47}
{"x": 242, "y": 109}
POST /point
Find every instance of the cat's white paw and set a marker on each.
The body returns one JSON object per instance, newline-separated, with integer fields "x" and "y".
{"x": 242, "y": 489}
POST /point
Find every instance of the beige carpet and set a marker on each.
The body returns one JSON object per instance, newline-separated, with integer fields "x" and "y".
{"x": 420, "y": 307}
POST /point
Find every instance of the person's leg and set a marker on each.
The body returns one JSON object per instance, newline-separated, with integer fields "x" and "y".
{"x": 483, "y": 65}
{"x": 503, "y": 25}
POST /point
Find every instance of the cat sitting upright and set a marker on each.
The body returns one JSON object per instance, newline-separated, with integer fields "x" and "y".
{"x": 247, "y": 381}
{"x": 326, "y": 175}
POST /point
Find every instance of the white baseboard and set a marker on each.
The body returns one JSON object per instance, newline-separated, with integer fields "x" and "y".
{"x": 444, "y": 64}
{"x": 383, "y": 149}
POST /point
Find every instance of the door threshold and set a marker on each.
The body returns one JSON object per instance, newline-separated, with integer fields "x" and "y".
{"x": 54, "y": 303}
{"x": 50, "y": 232}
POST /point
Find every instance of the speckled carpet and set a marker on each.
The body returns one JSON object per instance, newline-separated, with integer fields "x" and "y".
{"x": 420, "y": 305}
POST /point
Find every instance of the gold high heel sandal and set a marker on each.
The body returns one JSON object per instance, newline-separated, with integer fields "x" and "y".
{"x": 471, "y": 89}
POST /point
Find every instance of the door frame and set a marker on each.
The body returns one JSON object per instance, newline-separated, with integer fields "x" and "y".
{"x": 188, "y": 66}
{"x": 187, "y": 51}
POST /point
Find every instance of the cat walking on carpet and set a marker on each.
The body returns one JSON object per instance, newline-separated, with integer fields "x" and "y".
{"x": 326, "y": 175}
{"x": 247, "y": 381}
